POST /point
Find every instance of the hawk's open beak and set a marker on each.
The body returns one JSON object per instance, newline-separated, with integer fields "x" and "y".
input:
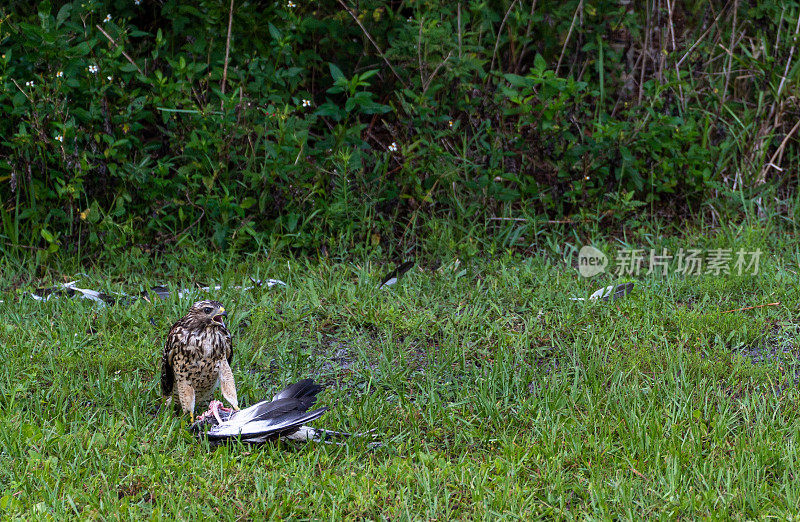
{"x": 218, "y": 318}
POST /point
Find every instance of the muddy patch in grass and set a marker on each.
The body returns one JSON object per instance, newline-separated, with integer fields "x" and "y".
{"x": 779, "y": 347}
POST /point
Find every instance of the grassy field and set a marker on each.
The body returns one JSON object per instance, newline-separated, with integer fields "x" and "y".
{"x": 496, "y": 396}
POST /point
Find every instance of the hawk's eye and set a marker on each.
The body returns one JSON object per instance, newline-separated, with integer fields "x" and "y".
{"x": 207, "y": 310}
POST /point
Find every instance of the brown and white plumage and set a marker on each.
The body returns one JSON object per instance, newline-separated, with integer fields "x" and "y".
{"x": 197, "y": 358}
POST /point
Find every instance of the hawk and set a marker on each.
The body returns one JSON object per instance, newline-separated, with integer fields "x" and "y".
{"x": 197, "y": 358}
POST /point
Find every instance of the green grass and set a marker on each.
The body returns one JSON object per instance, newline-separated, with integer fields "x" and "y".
{"x": 495, "y": 394}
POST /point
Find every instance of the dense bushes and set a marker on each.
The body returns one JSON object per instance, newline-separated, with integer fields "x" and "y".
{"x": 341, "y": 123}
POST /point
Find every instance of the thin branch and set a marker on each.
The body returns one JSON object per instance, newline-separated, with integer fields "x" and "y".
{"x": 525, "y": 220}
{"x": 419, "y": 51}
{"x": 196, "y": 221}
{"x": 778, "y": 33}
{"x": 120, "y": 48}
{"x": 569, "y": 34}
{"x": 427, "y": 84}
{"x": 527, "y": 37}
{"x": 639, "y": 473}
{"x": 21, "y": 89}
{"x": 730, "y": 51}
{"x": 750, "y": 308}
{"x": 789, "y": 61}
{"x": 645, "y": 50}
{"x": 499, "y": 32}
{"x": 705, "y": 33}
{"x": 459, "y": 29}
{"x": 366, "y": 33}
{"x": 674, "y": 49}
{"x": 779, "y": 151}
{"x": 227, "y": 53}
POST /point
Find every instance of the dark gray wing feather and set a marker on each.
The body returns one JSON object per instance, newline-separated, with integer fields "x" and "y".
{"x": 306, "y": 389}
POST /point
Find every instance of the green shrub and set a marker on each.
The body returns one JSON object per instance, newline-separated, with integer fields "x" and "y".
{"x": 132, "y": 123}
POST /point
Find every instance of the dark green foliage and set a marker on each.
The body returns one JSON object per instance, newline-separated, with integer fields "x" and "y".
{"x": 462, "y": 111}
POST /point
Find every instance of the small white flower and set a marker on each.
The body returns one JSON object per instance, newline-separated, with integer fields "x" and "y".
{"x": 93, "y": 69}
{"x": 29, "y": 84}
{"x": 450, "y": 123}
{"x": 410, "y": 18}
{"x": 290, "y": 4}
{"x": 60, "y": 74}
{"x": 60, "y": 138}
{"x": 393, "y": 147}
{"x": 107, "y": 18}
{"x": 137, "y": 2}
{"x": 306, "y": 103}
{"x": 109, "y": 78}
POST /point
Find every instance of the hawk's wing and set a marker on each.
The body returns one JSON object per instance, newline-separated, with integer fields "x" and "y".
{"x": 229, "y": 349}
{"x": 170, "y": 349}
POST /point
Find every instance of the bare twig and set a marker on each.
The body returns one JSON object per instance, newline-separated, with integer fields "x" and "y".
{"x": 645, "y": 51}
{"x": 527, "y": 37}
{"x": 639, "y": 473}
{"x": 730, "y": 51}
{"x": 459, "y": 29}
{"x": 705, "y": 33}
{"x": 779, "y": 152}
{"x": 750, "y": 308}
{"x": 569, "y": 34}
{"x": 674, "y": 49}
{"x": 426, "y": 84}
{"x": 525, "y": 220}
{"x": 120, "y": 48}
{"x": 196, "y": 221}
{"x": 662, "y": 48}
{"x": 778, "y": 33}
{"x": 789, "y": 61}
{"x": 21, "y": 89}
{"x": 227, "y": 53}
{"x": 499, "y": 32}
{"x": 366, "y": 33}
{"x": 29, "y": 247}
{"x": 419, "y": 51}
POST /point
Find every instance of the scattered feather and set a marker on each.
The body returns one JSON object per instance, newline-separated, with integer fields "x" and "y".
{"x": 70, "y": 290}
{"x": 395, "y": 275}
{"x": 161, "y": 291}
{"x": 609, "y": 292}
{"x": 256, "y": 283}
